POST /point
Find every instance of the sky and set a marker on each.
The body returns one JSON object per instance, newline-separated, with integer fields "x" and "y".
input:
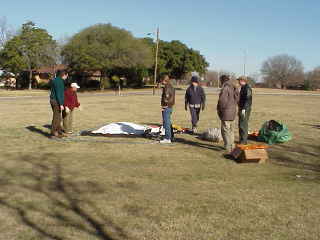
{"x": 226, "y": 32}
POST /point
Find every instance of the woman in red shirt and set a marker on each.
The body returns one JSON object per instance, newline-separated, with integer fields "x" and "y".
{"x": 70, "y": 103}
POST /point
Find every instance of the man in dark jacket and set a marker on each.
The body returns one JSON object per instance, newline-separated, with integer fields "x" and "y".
{"x": 227, "y": 109}
{"x": 195, "y": 98}
{"x": 245, "y": 104}
{"x": 167, "y": 103}
{"x": 57, "y": 102}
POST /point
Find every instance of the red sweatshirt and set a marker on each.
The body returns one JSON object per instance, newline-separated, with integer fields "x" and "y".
{"x": 71, "y": 99}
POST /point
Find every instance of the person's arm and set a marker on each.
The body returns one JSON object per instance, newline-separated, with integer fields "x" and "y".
{"x": 59, "y": 89}
{"x": 248, "y": 97}
{"x": 223, "y": 98}
{"x": 186, "y": 100}
{"x": 67, "y": 99}
{"x": 203, "y": 99}
{"x": 170, "y": 96}
{"x": 77, "y": 102}
{"x": 163, "y": 97}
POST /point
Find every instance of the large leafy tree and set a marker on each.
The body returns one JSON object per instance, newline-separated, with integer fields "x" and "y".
{"x": 106, "y": 48}
{"x": 177, "y": 59}
{"x": 31, "y": 48}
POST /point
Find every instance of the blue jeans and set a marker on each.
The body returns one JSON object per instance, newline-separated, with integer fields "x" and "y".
{"x": 166, "y": 117}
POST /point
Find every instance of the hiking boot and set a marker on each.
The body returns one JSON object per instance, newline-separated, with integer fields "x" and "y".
{"x": 165, "y": 141}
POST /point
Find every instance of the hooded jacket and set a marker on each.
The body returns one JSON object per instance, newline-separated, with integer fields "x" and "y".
{"x": 228, "y": 101}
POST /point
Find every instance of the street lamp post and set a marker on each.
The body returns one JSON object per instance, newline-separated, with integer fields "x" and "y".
{"x": 156, "y": 63}
{"x": 245, "y": 63}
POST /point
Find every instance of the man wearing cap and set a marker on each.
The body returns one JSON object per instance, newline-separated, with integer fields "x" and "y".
{"x": 195, "y": 98}
{"x": 167, "y": 103}
{"x": 70, "y": 103}
{"x": 245, "y": 104}
{"x": 227, "y": 111}
{"x": 57, "y": 102}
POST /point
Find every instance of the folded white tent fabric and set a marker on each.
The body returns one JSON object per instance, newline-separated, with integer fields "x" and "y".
{"x": 124, "y": 128}
{"x": 212, "y": 135}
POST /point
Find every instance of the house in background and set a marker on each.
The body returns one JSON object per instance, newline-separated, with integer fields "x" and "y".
{"x": 7, "y": 80}
{"x": 40, "y": 77}
{"x": 45, "y": 74}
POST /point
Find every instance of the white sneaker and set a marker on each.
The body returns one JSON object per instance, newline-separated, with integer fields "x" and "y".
{"x": 165, "y": 141}
{"x": 194, "y": 130}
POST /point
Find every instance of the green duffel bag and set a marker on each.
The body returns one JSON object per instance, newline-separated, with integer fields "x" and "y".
{"x": 274, "y": 132}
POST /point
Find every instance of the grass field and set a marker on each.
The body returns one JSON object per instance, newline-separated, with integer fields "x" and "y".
{"x": 104, "y": 190}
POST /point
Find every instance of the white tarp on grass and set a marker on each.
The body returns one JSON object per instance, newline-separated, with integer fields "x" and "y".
{"x": 123, "y": 128}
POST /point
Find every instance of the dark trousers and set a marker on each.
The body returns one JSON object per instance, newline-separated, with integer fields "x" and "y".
{"x": 244, "y": 126}
{"x": 166, "y": 117}
{"x": 195, "y": 116}
{"x": 56, "y": 118}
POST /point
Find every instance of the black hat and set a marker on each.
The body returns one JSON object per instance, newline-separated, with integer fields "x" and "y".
{"x": 195, "y": 79}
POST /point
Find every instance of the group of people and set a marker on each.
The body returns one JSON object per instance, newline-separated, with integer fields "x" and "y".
{"x": 64, "y": 100}
{"x": 230, "y": 100}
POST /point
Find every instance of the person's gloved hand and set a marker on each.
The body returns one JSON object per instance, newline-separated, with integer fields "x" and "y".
{"x": 67, "y": 109}
{"x": 186, "y": 107}
{"x": 203, "y": 106}
{"x": 243, "y": 112}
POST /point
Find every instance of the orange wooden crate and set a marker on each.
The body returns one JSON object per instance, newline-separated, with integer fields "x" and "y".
{"x": 250, "y": 153}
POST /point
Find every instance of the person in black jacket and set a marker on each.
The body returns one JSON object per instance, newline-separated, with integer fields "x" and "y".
{"x": 245, "y": 103}
{"x": 195, "y": 98}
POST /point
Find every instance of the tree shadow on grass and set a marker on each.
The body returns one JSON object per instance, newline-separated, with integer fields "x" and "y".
{"x": 39, "y": 131}
{"x": 302, "y": 149}
{"x": 68, "y": 203}
{"x": 312, "y": 125}
{"x": 297, "y": 156}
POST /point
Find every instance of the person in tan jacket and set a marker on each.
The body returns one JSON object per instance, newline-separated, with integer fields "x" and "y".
{"x": 227, "y": 111}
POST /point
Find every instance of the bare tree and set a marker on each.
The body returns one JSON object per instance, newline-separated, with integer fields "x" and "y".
{"x": 6, "y": 32}
{"x": 312, "y": 79}
{"x": 212, "y": 77}
{"x": 282, "y": 71}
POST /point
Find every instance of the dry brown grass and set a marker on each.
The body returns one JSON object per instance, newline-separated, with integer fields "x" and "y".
{"x": 92, "y": 190}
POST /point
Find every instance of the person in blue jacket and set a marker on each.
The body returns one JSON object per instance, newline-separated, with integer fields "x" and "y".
{"x": 195, "y": 98}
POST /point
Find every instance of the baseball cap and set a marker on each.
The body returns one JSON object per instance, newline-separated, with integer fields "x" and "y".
{"x": 195, "y": 79}
{"x": 242, "y": 78}
{"x": 74, "y": 85}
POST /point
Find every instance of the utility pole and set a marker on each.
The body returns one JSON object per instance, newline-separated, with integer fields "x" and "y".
{"x": 245, "y": 63}
{"x": 156, "y": 63}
